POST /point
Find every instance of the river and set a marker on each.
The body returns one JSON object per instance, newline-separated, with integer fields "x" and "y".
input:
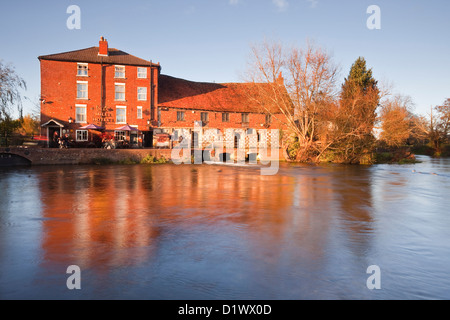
{"x": 219, "y": 232}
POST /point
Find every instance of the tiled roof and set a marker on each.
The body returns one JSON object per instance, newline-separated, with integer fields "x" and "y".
{"x": 221, "y": 97}
{"x": 90, "y": 55}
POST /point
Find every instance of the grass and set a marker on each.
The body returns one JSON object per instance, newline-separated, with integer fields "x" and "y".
{"x": 149, "y": 159}
{"x": 388, "y": 157}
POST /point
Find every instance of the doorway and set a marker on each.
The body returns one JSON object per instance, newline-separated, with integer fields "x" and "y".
{"x": 53, "y": 134}
{"x": 148, "y": 139}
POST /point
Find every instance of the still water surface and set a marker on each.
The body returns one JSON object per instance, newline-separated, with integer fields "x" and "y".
{"x": 216, "y": 232}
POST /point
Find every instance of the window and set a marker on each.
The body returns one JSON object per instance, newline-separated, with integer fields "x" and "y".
{"x": 245, "y": 118}
{"x": 175, "y": 135}
{"x": 268, "y": 118}
{"x": 82, "y": 90}
{"x": 225, "y": 117}
{"x": 82, "y": 135}
{"x": 139, "y": 113}
{"x": 120, "y": 91}
{"x": 142, "y": 73}
{"x": 204, "y": 116}
{"x": 82, "y": 69}
{"x": 121, "y": 115}
{"x": 80, "y": 113}
{"x": 119, "y": 135}
{"x": 120, "y": 72}
{"x": 180, "y": 115}
{"x": 142, "y": 93}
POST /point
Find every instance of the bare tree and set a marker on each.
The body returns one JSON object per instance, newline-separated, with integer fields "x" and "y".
{"x": 299, "y": 86}
{"x": 10, "y": 86}
{"x": 396, "y": 120}
{"x": 10, "y": 95}
{"x": 435, "y": 126}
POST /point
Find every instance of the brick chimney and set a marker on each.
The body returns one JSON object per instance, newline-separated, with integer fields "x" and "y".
{"x": 280, "y": 79}
{"x": 103, "y": 47}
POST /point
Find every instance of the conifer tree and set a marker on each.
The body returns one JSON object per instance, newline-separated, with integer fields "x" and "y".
{"x": 356, "y": 118}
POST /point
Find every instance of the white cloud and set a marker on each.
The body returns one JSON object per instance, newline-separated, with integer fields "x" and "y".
{"x": 233, "y": 2}
{"x": 313, "y": 3}
{"x": 281, "y": 4}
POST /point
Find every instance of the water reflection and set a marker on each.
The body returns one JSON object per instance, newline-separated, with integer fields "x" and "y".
{"x": 212, "y": 232}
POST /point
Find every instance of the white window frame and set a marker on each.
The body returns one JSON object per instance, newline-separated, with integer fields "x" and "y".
{"x": 119, "y": 135}
{"x": 139, "y": 94}
{"x": 115, "y": 72}
{"x": 83, "y": 132}
{"x": 142, "y": 71}
{"x": 140, "y": 114}
{"x": 121, "y": 108}
{"x": 117, "y": 84}
{"x": 84, "y": 106}
{"x": 82, "y": 65}
{"x": 87, "y": 90}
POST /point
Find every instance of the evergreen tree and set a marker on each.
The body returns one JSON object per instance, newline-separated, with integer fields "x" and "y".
{"x": 359, "y": 100}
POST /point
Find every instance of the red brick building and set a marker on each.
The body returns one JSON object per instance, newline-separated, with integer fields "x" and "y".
{"x": 98, "y": 85}
{"x": 111, "y": 88}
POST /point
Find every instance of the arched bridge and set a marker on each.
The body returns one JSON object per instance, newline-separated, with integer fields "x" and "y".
{"x": 10, "y": 157}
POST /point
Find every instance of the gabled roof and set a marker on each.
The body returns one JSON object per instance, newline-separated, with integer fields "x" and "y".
{"x": 90, "y": 55}
{"x": 52, "y": 122}
{"x": 220, "y": 97}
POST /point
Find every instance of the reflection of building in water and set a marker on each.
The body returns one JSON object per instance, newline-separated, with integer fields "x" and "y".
{"x": 118, "y": 215}
{"x": 115, "y": 215}
{"x": 103, "y": 222}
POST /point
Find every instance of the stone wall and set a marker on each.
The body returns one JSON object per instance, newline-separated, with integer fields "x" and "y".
{"x": 44, "y": 156}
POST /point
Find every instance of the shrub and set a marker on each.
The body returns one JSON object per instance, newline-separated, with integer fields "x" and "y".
{"x": 149, "y": 159}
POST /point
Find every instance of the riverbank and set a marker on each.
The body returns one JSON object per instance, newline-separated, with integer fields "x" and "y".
{"x": 45, "y": 156}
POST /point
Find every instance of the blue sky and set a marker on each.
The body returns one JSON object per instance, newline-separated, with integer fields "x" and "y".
{"x": 209, "y": 40}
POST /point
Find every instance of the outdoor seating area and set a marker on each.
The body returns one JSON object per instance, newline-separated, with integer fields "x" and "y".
{"x": 93, "y": 136}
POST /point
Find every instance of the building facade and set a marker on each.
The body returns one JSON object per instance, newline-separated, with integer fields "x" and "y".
{"x": 110, "y": 88}
{"x": 99, "y": 85}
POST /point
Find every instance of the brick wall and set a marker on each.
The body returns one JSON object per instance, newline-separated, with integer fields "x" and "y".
{"x": 59, "y": 91}
{"x": 256, "y": 120}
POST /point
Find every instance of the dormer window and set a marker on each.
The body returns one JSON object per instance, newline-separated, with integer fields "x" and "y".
{"x": 82, "y": 69}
